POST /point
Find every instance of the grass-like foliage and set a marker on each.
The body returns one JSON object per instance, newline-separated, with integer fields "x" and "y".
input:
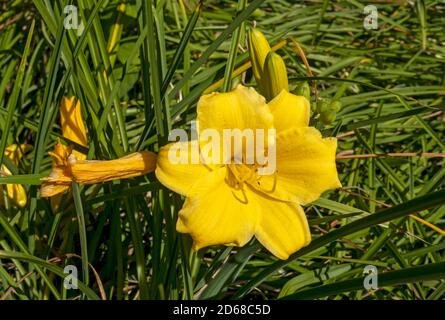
{"x": 139, "y": 68}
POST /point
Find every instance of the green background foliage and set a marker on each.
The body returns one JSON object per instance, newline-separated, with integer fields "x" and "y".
{"x": 139, "y": 67}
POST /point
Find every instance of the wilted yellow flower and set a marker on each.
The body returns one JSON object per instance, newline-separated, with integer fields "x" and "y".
{"x": 67, "y": 168}
{"x": 60, "y": 177}
{"x": 15, "y": 192}
{"x": 69, "y": 165}
{"x": 96, "y": 171}
{"x": 230, "y": 203}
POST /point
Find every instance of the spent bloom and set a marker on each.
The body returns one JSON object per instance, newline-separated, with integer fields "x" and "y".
{"x": 229, "y": 203}
{"x": 73, "y": 128}
{"x": 69, "y": 165}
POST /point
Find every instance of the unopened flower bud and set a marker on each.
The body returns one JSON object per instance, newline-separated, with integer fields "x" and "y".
{"x": 335, "y": 106}
{"x": 275, "y": 76}
{"x": 328, "y": 116}
{"x": 259, "y": 48}
{"x": 304, "y": 90}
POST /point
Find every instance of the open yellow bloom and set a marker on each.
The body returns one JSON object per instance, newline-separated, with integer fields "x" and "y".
{"x": 15, "y": 192}
{"x": 230, "y": 203}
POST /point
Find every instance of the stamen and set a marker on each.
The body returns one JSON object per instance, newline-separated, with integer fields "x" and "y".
{"x": 245, "y": 201}
{"x": 273, "y": 186}
{"x": 239, "y": 174}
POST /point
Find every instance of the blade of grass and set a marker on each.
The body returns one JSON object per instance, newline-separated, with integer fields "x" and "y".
{"x": 404, "y": 209}
{"x": 428, "y": 272}
{"x": 82, "y": 232}
{"x": 12, "y": 103}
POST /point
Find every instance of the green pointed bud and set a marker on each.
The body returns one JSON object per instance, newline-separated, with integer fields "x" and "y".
{"x": 322, "y": 105}
{"x": 258, "y": 13}
{"x": 259, "y": 48}
{"x": 327, "y": 117}
{"x": 304, "y": 90}
{"x": 335, "y": 106}
{"x": 275, "y": 76}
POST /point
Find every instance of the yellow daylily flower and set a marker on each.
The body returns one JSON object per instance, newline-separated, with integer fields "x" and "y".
{"x": 15, "y": 192}
{"x": 230, "y": 203}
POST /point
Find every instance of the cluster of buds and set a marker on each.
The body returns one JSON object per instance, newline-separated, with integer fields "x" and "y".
{"x": 327, "y": 109}
{"x": 268, "y": 67}
{"x": 304, "y": 90}
{"x": 271, "y": 76}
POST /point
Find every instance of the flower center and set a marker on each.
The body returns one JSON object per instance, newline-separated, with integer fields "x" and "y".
{"x": 240, "y": 173}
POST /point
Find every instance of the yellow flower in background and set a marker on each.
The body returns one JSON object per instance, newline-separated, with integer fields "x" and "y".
{"x": 15, "y": 192}
{"x": 230, "y": 203}
{"x": 69, "y": 165}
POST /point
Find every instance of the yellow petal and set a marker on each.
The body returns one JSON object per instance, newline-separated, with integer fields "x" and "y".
{"x": 289, "y": 111}
{"x": 305, "y": 165}
{"x": 72, "y": 123}
{"x": 96, "y": 171}
{"x": 283, "y": 227}
{"x": 60, "y": 154}
{"x": 215, "y": 214}
{"x": 15, "y": 152}
{"x": 49, "y": 189}
{"x": 175, "y": 168}
{"x": 59, "y": 175}
{"x": 242, "y": 108}
{"x": 58, "y": 181}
